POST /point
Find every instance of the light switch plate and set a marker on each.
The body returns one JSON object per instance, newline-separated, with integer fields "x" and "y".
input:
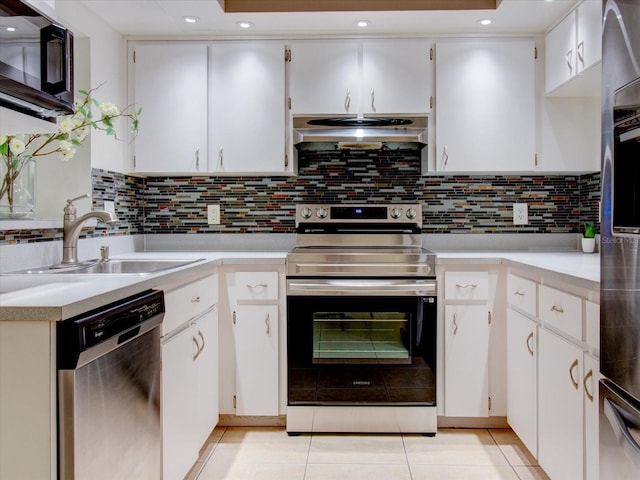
{"x": 520, "y": 214}
{"x": 213, "y": 214}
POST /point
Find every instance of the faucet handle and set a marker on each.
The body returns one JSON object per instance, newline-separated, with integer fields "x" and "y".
{"x": 70, "y": 209}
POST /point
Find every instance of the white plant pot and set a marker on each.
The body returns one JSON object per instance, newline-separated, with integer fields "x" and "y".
{"x": 588, "y": 245}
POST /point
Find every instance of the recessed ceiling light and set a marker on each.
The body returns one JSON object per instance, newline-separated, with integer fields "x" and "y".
{"x": 362, "y": 23}
{"x": 190, "y": 19}
{"x": 9, "y": 29}
{"x": 245, "y": 24}
{"x": 486, "y": 21}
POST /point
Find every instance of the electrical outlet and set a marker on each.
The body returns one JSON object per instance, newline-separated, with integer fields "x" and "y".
{"x": 520, "y": 214}
{"x": 213, "y": 214}
{"x": 109, "y": 206}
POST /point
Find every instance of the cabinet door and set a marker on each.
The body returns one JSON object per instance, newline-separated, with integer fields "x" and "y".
{"x": 560, "y": 54}
{"x": 560, "y": 407}
{"x": 522, "y": 379}
{"x": 256, "y": 342}
{"x": 396, "y": 76}
{"x": 205, "y": 331}
{"x": 248, "y": 107}
{"x": 466, "y": 363}
{"x": 325, "y": 77}
{"x": 485, "y": 106}
{"x": 180, "y": 438}
{"x": 590, "y": 382}
{"x": 589, "y": 30}
{"x": 170, "y": 84}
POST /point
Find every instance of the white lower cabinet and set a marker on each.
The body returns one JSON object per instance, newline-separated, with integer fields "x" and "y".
{"x": 522, "y": 378}
{"x": 189, "y": 402}
{"x": 255, "y": 329}
{"x": 466, "y": 367}
{"x": 560, "y": 407}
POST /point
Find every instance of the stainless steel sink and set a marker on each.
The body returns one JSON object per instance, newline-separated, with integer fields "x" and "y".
{"x": 116, "y": 266}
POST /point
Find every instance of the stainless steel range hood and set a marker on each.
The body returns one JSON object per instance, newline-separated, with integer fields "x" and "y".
{"x": 366, "y": 132}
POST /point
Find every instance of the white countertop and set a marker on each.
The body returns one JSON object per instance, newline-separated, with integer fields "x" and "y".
{"x": 59, "y": 296}
{"x": 52, "y": 297}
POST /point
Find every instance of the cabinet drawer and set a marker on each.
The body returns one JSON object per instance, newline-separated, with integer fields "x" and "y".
{"x": 521, "y": 293}
{"x": 466, "y": 285}
{"x": 188, "y": 301}
{"x": 592, "y": 324}
{"x": 256, "y": 286}
{"x": 561, "y": 310}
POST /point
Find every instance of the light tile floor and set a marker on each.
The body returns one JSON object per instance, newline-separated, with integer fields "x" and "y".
{"x": 265, "y": 453}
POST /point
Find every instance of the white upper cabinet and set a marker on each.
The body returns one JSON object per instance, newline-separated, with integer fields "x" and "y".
{"x": 360, "y": 77}
{"x": 324, "y": 77}
{"x": 170, "y": 84}
{"x": 572, "y": 48}
{"x": 485, "y": 106}
{"x": 210, "y": 107}
{"x": 248, "y": 107}
{"x": 396, "y": 76}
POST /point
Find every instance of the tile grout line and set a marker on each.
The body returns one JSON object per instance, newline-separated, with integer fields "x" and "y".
{"x": 406, "y": 456}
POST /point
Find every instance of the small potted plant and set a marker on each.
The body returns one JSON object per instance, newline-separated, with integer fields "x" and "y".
{"x": 589, "y": 238}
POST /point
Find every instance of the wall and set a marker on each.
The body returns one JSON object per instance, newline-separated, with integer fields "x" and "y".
{"x": 451, "y": 204}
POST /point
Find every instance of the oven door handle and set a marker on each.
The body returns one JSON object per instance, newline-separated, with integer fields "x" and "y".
{"x": 344, "y": 287}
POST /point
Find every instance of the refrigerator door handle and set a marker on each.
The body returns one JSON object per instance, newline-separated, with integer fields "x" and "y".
{"x": 621, "y": 431}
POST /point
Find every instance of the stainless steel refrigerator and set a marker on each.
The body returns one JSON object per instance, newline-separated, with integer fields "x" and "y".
{"x": 620, "y": 243}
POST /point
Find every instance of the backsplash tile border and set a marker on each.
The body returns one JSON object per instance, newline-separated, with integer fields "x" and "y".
{"x": 452, "y": 204}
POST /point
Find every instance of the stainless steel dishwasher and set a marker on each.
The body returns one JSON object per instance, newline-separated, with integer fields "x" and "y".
{"x": 109, "y": 391}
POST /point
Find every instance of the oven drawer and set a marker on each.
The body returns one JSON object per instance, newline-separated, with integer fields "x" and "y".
{"x": 251, "y": 286}
{"x": 466, "y": 286}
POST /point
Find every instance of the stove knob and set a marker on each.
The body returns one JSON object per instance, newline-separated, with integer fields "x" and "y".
{"x": 411, "y": 213}
{"x": 321, "y": 212}
{"x": 305, "y": 212}
{"x": 396, "y": 213}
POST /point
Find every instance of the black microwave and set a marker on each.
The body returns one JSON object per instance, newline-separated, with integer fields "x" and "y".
{"x": 36, "y": 62}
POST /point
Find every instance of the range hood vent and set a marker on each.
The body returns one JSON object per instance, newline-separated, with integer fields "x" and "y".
{"x": 365, "y": 133}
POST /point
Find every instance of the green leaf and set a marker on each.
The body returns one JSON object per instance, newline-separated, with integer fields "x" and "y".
{"x": 110, "y": 131}
{"x": 76, "y": 142}
{"x": 139, "y": 111}
{"x": 134, "y": 125}
{"x": 4, "y": 148}
{"x": 94, "y": 124}
{"x": 83, "y": 92}
{"x": 95, "y": 102}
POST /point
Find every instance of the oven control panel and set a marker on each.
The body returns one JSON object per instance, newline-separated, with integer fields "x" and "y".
{"x": 363, "y": 214}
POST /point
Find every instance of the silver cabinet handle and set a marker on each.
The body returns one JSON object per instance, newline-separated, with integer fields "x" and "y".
{"x": 557, "y": 309}
{"x": 373, "y": 99}
{"x": 195, "y": 342}
{"x": 455, "y": 323}
{"x": 201, "y": 338}
{"x": 195, "y": 299}
{"x": 197, "y": 159}
{"x": 347, "y": 101}
{"x": 586, "y": 379}
{"x": 580, "y": 52}
{"x": 569, "y": 58}
{"x": 529, "y": 338}
{"x": 466, "y": 285}
{"x": 519, "y": 293}
{"x": 221, "y": 156}
{"x": 445, "y": 158}
{"x": 574, "y": 366}
{"x": 267, "y": 322}
{"x": 261, "y": 285}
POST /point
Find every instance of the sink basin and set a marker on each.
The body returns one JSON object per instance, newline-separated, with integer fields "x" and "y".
{"x": 117, "y": 266}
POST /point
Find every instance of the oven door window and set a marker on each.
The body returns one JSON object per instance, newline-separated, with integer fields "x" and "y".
{"x": 361, "y": 337}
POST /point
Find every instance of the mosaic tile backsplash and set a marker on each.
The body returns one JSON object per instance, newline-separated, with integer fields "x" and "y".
{"x": 451, "y": 203}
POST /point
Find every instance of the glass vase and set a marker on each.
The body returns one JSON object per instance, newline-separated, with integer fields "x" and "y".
{"x": 18, "y": 198}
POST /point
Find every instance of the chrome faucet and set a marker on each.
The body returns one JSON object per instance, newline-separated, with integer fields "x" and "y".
{"x": 72, "y": 227}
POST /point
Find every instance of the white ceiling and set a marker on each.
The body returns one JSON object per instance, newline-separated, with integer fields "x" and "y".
{"x": 164, "y": 18}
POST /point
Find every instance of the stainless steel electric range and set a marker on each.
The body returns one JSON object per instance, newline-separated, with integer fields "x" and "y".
{"x": 361, "y": 321}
